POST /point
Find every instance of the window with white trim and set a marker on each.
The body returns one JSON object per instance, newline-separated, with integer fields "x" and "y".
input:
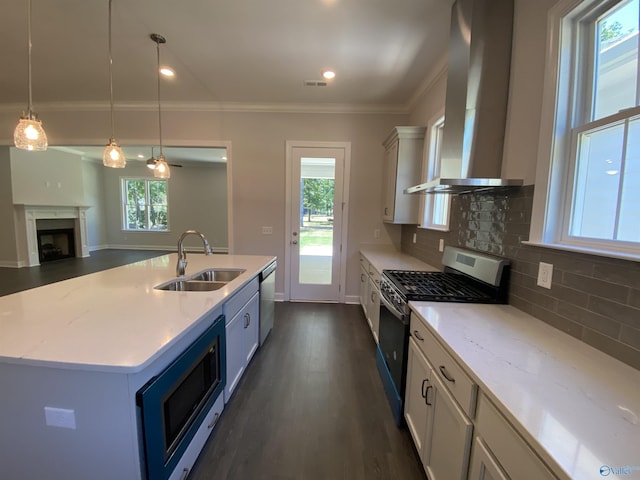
{"x": 436, "y": 206}
{"x": 144, "y": 204}
{"x": 593, "y": 169}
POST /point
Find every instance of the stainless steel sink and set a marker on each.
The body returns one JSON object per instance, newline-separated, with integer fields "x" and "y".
{"x": 179, "y": 285}
{"x": 218, "y": 274}
{"x": 204, "y": 281}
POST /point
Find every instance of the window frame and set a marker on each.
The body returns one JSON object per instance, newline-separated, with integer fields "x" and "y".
{"x": 123, "y": 204}
{"x": 431, "y": 167}
{"x": 566, "y": 111}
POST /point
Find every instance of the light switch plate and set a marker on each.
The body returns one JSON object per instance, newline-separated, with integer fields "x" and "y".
{"x": 267, "y": 230}
{"x": 60, "y": 417}
{"x": 545, "y": 274}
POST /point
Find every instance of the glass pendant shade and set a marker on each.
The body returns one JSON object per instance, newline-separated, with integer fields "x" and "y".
{"x": 161, "y": 169}
{"x": 151, "y": 163}
{"x": 29, "y": 134}
{"x": 113, "y": 156}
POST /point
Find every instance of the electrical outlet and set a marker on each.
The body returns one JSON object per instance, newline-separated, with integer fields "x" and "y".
{"x": 376, "y": 233}
{"x": 545, "y": 274}
{"x": 60, "y": 417}
{"x": 415, "y": 237}
{"x": 441, "y": 245}
{"x": 267, "y": 230}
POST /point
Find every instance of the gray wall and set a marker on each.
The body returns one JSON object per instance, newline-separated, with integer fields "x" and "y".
{"x": 197, "y": 200}
{"x": 8, "y": 250}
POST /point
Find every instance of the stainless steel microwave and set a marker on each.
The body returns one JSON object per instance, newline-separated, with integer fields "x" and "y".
{"x": 173, "y": 404}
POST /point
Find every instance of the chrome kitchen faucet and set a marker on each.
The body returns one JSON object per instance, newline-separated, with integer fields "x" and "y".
{"x": 182, "y": 255}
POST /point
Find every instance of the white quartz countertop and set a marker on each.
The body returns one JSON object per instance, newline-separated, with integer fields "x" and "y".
{"x": 112, "y": 320}
{"x": 387, "y": 257}
{"x": 578, "y": 407}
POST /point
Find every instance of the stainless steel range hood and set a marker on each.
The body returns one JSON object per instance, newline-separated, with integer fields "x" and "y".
{"x": 476, "y": 99}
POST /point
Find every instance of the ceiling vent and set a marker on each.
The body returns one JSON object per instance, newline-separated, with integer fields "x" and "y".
{"x": 315, "y": 83}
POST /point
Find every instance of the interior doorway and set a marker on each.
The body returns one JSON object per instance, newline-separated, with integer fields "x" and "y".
{"x": 317, "y": 193}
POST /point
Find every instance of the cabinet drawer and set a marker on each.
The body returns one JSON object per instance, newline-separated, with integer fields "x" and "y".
{"x": 445, "y": 367}
{"x": 235, "y": 303}
{"x": 515, "y": 456}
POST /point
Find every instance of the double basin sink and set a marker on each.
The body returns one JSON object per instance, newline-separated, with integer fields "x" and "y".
{"x": 204, "y": 281}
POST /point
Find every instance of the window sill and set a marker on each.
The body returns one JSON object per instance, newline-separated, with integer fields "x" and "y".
{"x": 591, "y": 251}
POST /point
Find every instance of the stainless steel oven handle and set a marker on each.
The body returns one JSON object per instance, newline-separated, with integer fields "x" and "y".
{"x": 215, "y": 419}
{"x": 396, "y": 313}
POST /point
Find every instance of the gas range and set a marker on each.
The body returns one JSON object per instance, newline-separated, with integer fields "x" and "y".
{"x": 468, "y": 277}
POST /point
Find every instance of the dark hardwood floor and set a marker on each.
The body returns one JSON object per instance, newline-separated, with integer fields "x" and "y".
{"x": 14, "y": 280}
{"x": 310, "y": 406}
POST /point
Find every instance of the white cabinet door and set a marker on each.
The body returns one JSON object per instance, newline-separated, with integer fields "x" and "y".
{"x": 251, "y": 322}
{"x": 448, "y": 453}
{"x": 236, "y": 359}
{"x": 373, "y": 308}
{"x": 483, "y": 464}
{"x": 389, "y": 182}
{"x": 418, "y": 396}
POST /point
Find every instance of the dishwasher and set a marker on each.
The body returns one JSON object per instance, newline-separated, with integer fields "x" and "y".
{"x": 267, "y": 298}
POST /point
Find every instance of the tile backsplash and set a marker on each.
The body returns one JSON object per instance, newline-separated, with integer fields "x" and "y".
{"x": 593, "y": 298}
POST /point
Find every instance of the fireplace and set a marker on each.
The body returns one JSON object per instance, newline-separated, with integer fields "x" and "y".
{"x": 56, "y": 244}
{"x": 34, "y": 244}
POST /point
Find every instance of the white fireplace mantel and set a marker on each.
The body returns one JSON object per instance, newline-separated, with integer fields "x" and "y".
{"x": 26, "y": 215}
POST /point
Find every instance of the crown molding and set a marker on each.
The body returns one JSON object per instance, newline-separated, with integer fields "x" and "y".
{"x": 235, "y": 107}
{"x": 438, "y": 71}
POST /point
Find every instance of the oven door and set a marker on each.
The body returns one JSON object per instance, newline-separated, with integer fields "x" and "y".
{"x": 392, "y": 354}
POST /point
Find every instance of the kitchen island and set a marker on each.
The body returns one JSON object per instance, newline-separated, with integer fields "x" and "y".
{"x": 82, "y": 348}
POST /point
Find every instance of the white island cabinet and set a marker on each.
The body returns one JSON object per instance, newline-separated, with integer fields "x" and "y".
{"x": 73, "y": 355}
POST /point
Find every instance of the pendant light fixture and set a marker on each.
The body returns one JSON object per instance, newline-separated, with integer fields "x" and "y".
{"x": 161, "y": 169}
{"x": 151, "y": 162}
{"x": 29, "y": 134}
{"x": 112, "y": 156}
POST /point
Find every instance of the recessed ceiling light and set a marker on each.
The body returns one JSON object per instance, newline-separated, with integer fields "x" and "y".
{"x": 328, "y": 74}
{"x": 167, "y": 72}
{"x": 140, "y": 155}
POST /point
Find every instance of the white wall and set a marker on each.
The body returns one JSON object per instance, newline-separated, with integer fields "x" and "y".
{"x": 47, "y": 178}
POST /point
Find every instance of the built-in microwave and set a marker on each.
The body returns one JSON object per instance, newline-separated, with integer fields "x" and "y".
{"x": 173, "y": 404}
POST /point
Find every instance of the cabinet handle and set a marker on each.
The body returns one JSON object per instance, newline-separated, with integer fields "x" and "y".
{"x": 422, "y": 392}
{"x": 216, "y": 417}
{"x": 247, "y": 319}
{"x": 446, "y": 375}
{"x": 185, "y": 474}
{"x": 362, "y": 277}
{"x": 426, "y": 396}
{"x": 373, "y": 295}
{"x": 416, "y": 334}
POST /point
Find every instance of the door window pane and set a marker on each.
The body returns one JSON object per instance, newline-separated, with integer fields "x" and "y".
{"x": 316, "y": 220}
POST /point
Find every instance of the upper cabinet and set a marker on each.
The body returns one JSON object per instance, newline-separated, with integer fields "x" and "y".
{"x": 402, "y": 169}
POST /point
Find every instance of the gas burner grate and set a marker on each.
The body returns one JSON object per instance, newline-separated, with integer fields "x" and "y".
{"x": 439, "y": 286}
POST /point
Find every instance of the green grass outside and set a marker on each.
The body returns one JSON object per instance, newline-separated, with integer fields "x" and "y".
{"x": 310, "y": 236}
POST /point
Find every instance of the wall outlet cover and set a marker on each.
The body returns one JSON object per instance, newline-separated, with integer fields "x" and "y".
{"x": 545, "y": 274}
{"x": 60, "y": 417}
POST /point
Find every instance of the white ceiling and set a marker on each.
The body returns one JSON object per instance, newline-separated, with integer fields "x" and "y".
{"x": 241, "y": 52}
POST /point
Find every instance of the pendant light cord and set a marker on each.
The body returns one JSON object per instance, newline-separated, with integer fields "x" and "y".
{"x": 159, "y": 112}
{"x": 30, "y": 113}
{"x": 113, "y": 135}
